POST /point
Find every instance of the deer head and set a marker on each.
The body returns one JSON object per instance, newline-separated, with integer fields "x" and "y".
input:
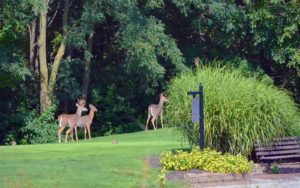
{"x": 93, "y": 108}
{"x": 163, "y": 98}
{"x": 81, "y": 102}
{"x": 80, "y": 107}
{"x": 197, "y": 61}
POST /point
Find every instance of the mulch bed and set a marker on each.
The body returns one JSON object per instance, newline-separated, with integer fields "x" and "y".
{"x": 289, "y": 170}
{"x": 284, "y": 169}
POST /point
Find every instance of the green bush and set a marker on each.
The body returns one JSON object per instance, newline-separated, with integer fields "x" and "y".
{"x": 40, "y": 129}
{"x": 238, "y": 111}
{"x": 209, "y": 160}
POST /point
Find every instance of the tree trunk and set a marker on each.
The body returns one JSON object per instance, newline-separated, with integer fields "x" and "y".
{"x": 48, "y": 84}
{"x": 32, "y": 47}
{"x": 45, "y": 99}
{"x": 87, "y": 67}
{"x": 55, "y": 66}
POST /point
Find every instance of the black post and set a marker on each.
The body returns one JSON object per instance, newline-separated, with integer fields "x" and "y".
{"x": 201, "y": 114}
{"x": 201, "y": 117}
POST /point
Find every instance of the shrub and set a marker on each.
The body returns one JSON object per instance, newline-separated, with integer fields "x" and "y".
{"x": 208, "y": 159}
{"x": 238, "y": 111}
{"x": 9, "y": 138}
{"x": 42, "y": 128}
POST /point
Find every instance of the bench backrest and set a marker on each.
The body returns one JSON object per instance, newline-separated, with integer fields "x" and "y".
{"x": 279, "y": 149}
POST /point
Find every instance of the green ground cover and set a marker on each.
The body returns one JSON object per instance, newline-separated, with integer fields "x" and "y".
{"x": 96, "y": 163}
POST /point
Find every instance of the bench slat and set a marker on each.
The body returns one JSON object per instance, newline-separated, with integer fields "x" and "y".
{"x": 279, "y": 157}
{"x": 264, "y": 153}
{"x": 286, "y": 138}
{"x": 277, "y": 148}
{"x": 279, "y": 143}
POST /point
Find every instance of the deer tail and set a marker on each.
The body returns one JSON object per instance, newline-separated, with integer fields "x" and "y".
{"x": 60, "y": 120}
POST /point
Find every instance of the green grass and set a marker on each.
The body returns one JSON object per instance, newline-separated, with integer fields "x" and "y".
{"x": 96, "y": 163}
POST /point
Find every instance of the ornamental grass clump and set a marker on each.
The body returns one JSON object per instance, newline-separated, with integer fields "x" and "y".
{"x": 238, "y": 110}
{"x": 208, "y": 159}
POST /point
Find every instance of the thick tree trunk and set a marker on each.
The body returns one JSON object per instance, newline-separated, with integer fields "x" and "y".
{"x": 45, "y": 99}
{"x": 87, "y": 67}
{"x": 48, "y": 84}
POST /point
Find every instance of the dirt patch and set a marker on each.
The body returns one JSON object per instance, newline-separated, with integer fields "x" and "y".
{"x": 154, "y": 161}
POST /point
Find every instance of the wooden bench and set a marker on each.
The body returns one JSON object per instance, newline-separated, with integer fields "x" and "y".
{"x": 279, "y": 150}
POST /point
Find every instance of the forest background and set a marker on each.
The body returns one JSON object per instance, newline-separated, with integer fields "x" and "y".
{"x": 120, "y": 54}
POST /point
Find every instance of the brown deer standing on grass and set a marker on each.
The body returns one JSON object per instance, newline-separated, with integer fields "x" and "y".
{"x": 70, "y": 120}
{"x": 155, "y": 110}
{"x": 85, "y": 122}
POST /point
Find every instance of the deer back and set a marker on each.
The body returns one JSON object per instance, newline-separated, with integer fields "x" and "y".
{"x": 64, "y": 119}
{"x": 83, "y": 121}
{"x": 155, "y": 109}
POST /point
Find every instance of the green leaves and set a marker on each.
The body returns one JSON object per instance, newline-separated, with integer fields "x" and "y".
{"x": 41, "y": 129}
{"x": 208, "y": 159}
{"x": 145, "y": 41}
{"x": 37, "y": 5}
{"x": 13, "y": 69}
{"x": 275, "y": 29}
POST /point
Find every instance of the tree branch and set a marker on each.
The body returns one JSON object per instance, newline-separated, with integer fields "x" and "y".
{"x": 54, "y": 13}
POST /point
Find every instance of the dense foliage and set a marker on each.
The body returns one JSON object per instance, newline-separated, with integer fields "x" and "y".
{"x": 120, "y": 54}
{"x": 208, "y": 159}
{"x": 238, "y": 110}
{"x": 40, "y": 129}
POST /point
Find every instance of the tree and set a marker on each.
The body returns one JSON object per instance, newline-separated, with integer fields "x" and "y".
{"x": 47, "y": 81}
{"x": 265, "y": 34}
{"x": 275, "y": 28}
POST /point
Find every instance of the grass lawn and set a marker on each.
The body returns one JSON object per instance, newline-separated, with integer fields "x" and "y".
{"x": 96, "y": 163}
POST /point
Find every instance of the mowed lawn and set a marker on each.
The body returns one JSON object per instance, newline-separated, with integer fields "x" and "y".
{"x": 95, "y": 163}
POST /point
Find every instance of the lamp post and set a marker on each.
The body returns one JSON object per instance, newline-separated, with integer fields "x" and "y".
{"x": 198, "y": 112}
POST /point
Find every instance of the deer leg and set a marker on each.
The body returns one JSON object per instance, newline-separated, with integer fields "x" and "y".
{"x": 149, "y": 116}
{"x": 84, "y": 133}
{"x": 161, "y": 120}
{"x": 89, "y": 131}
{"x": 147, "y": 124}
{"x": 59, "y": 133}
{"x": 153, "y": 122}
{"x": 66, "y": 138}
{"x": 71, "y": 135}
{"x": 75, "y": 128}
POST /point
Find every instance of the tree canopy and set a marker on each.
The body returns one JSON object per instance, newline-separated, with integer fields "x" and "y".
{"x": 121, "y": 54}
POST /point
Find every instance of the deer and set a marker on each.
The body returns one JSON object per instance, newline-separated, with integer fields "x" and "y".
{"x": 197, "y": 62}
{"x": 70, "y": 120}
{"x": 85, "y": 122}
{"x": 155, "y": 110}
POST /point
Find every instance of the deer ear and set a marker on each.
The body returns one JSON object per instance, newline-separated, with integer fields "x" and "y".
{"x": 77, "y": 105}
{"x": 90, "y": 105}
